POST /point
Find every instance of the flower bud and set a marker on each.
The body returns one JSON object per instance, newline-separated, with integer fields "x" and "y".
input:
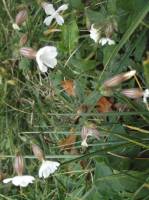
{"x": 28, "y": 52}
{"x": 86, "y": 131}
{"x": 110, "y": 27}
{"x": 82, "y": 109}
{"x": 19, "y": 164}
{"x": 109, "y": 30}
{"x": 37, "y": 152}
{"x": 23, "y": 39}
{"x": 21, "y": 17}
{"x": 116, "y": 80}
{"x": 133, "y": 93}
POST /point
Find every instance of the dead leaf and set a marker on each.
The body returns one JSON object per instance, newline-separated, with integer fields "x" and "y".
{"x": 68, "y": 143}
{"x": 104, "y": 105}
{"x": 68, "y": 86}
{"x": 2, "y": 176}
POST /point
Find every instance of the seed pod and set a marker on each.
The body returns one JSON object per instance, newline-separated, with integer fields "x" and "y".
{"x": 28, "y": 52}
{"x": 21, "y": 17}
{"x": 133, "y": 93}
{"x": 37, "y": 152}
{"x": 19, "y": 164}
{"x": 116, "y": 80}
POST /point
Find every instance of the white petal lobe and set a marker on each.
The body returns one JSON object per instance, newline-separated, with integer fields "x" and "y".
{"x": 48, "y": 8}
{"x": 59, "y": 19}
{"x": 47, "y": 168}
{"x": 22, "y": 181}
{"x": 62, "y": 8}
{"x": 46, "y": 58}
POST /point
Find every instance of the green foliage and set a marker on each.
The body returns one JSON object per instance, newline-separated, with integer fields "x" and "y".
{"x": 70, "y": 36}
{"x": 35, "y": 107}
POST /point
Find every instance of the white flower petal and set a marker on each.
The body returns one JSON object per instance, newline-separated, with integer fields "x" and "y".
{"x": 103, "y": 41}
{"x": 46, "y": 173}
{"x": 7, "y": 180}
{"x": 84, "y": 143}
{"x": 62, "y": 8}
{"x": 145, "y": 95}
{"x": 16, "y": 27}
{"x": 47, "y": 168}
{"x": 48, "y": 20}
{"x": 22, "y": 181}
{"x": 94, "y": 34}
{"x": 51, "y": 63}
{"x": 59, "y": 19}
{"x": 45, "y": 57}
{"x": 49, "y": 51}
{"x": 41, "y": 66}
{"x": 48, "y": 8}
{"x": 111, "y": 42}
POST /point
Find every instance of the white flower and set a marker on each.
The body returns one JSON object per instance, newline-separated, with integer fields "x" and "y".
{"x": 54, "y": 14}
{"x": 21, "y": 181}
{"x": 46, "y": 57}
{"x": 94, "y": 34}
{"x": 47, "y": 168}
{"x": 145, "y": 95}
{"x": 105, "y": 40}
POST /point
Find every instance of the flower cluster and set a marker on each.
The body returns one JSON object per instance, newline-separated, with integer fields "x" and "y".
{"x": 46, "y": 57}
{"x": 19, "y": 180}
{"x": 133, "y": 93}
{"x": 46, "y": 169}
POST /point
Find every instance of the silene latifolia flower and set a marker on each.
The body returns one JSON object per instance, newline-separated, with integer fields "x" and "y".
{"x": 19, "y": 180}
{"x": 47, "y": 167}
{"x": 45, "y": 56}
{"x": 95, "y": 34}
{"x": 53, "y": 14}
{"x": 20, "y": 19}
{"x": 89, "y": 130}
